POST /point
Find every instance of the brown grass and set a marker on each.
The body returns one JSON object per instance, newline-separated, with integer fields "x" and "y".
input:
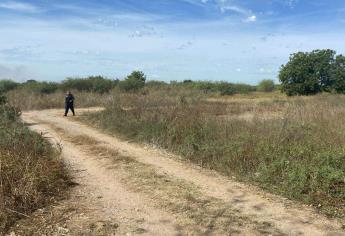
{"x": 291, "y": 146}
{"x": 31, "y": 173}
{"x": 179, "y": 197}
{"x": 28, "y": 100}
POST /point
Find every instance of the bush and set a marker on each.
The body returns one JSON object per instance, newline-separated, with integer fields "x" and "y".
{"x": 226, "y": 89}
{"x": 3, "y": 99}
{"x": 133, "y": 82}
{"x": 156, "y": 84}
{"x": 96, "y": 84}
{"x": 31, "y": 175}
{"x": 266, "y": 85}
{"x": 40, "y": 87}
{"x": 7, "y": 85}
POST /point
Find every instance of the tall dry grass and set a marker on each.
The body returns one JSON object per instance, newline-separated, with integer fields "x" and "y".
{"x": 28, "y": 100}
{"x": 294, "y": 147}
{"x": 31, "y": 173}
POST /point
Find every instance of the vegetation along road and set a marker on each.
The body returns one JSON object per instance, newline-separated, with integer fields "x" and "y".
{"x": 125, "y": 188}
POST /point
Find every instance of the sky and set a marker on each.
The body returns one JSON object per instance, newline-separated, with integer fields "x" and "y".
{"x": 230, "y": 40}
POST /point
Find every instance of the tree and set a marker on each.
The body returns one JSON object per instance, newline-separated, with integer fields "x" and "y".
{"x": 266, "y": 85}
{"x": 309, "y": 73}
{"x": 338, "y": 75}
{"x": 133, "y": 82}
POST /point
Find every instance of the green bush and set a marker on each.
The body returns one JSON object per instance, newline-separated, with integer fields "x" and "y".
{"x": 3, "y": 99}
{"x": 226, "y": 88}
{"x": 40, "y": 87}
{"x": 156, "y": 84}
{"x": 266, "y": 85}
{"x": 7, "y": 85}
{"x": 96, "y": 84}
{"x": 133, "y": 82}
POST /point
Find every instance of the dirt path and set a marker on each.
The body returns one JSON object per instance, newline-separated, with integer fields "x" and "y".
{"x": 128, "y": 189}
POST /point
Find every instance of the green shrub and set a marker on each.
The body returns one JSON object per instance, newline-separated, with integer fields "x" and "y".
{"x": 156, "y": 84}
{"x": 40, "y": 87}
{"x": 96, "y": 84}
{"x": 133, "y": 82}
{"x": 226, "y": 88}
{"x": 3, "y": 99}
{"x": 266, "y": 85}
{"x": 7, "y": 85}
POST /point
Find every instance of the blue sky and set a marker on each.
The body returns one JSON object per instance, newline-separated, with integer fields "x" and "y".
{"x": 232, "y": 40}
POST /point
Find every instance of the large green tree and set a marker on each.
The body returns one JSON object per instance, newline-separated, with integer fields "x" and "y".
{"x": 309, "y": 73}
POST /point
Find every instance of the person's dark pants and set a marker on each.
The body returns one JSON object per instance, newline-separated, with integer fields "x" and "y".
{"x": 68, "y": 107}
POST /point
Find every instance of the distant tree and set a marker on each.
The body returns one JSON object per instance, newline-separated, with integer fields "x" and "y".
{"x": 266, "y": 85}
{"x": 309, "y": 73}
{"x": 97, "y": 84}
{"x": 187, "y": 81}
{"x": 133, "y": 82}
{"x": 31, "y": 81}
{"x": 40, "y": 87}
{"x": 7, "y": 85}
{"x": 338, "y": 75}
{"x": 226, "y": 88}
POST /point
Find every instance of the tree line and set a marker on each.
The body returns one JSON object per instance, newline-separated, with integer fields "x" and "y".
{"x": 136, "y": 81}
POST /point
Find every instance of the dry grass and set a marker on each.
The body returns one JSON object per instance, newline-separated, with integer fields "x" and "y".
{"x": 31, "y": 174}
{"x": 28, "y": 100}
{"x": 212, "y": 216}
{"x": 290, "y": 146}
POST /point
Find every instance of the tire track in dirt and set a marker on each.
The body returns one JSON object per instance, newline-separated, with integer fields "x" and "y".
{"x": 288, "y": 217}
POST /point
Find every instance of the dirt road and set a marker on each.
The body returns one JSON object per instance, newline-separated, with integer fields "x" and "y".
{"x": 130, "y": 189}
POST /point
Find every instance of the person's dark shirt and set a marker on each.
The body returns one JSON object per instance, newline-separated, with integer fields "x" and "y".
{"x": 69, "y": 99}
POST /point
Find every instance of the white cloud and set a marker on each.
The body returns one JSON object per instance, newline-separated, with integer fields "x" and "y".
{"x": 19, "y": 6}
{"x": 236, "y": 9}
{"x": 251, "y": 18}
{"x": 225, "y": 6}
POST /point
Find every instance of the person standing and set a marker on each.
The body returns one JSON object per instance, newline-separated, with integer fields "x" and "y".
{"x": 69, "y": 103}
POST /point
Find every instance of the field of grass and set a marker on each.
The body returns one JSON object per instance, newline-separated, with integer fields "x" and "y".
{"x": 292, "y": 146}
{"x": 289, "y": 146}
{"x": 31, "y": 173}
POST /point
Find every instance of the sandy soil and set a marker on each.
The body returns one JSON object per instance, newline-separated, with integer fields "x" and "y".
{"x": 109, "y": 201}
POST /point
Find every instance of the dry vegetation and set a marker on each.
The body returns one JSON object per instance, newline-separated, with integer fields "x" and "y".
{"x": 28, "y": 100}
{"x": 31, "y": 174}
{"x": 290, "y": 146}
